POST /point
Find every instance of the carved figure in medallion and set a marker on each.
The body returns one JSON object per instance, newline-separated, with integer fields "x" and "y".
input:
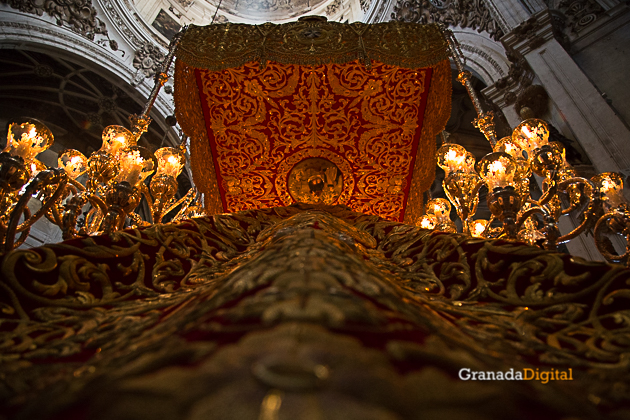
{"x": 315, "y": 180}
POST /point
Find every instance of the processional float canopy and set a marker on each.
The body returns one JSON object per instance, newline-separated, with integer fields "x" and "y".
{"x": 314, "y": 111}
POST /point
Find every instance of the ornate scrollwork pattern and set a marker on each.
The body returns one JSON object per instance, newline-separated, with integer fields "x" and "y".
{"x": 305, "y": 304}
{"x": 377, "y": 116}
{"x": 263, "y": 121}
{"x": 466, "y": 14}
{"x": 79, "y": 16}
{"x": 310, "y": 42}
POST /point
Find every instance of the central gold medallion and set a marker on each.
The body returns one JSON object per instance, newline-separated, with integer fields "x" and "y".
{"x": 315, "y": 180}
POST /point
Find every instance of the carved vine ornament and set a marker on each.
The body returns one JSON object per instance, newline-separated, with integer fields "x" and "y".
{"x": 463, "y": 13}
{"x": 274, "y": 313}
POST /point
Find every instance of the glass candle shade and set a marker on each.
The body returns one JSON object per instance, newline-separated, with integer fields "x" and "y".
{"x": 35, "y": 166}
{"x": 610, "y": 185}
{"x": 28, "y": 138}
{"x": 115, "y": 139}
{"x": 136, "y": 163}
{"x": 531, "y": 135}
{"x": 170, "y": 160}
{"x": 454, "y": 158}
{"x": 440, "y": 208}
{"x": 73, "y": 162}
{"x": 509, "y": 146}
{"x": 548, "y": 160}
{"x": 428, "y": 221}
{"x": 478, "y": 227}
{"x": 497, "y": 170}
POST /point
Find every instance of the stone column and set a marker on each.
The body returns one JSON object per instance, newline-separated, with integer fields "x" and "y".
{"x": 592, "y": 122}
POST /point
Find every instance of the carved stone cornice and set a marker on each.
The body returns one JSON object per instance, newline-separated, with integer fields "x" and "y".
{"x": 78, "y": 16}
{"x": 464, "y": 13}
{"x": 531, "y": 34}
{"x": 577, "y": 14}
{"x": 122, "y": 22}
{"x": 40, "y": 33}
{"x": 504, "y": 92}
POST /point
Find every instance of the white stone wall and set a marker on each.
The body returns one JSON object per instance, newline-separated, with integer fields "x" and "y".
{"x": 605, "y": 59}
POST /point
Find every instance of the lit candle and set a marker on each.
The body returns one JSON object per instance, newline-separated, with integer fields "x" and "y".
{"x": 455, "y": 158}
{"x": 115, "y": 139}
{"x": 28, "y": 139}
{"x": 171, "y": 166}
{"x": 73, "y": 162}
{"x": 132, "y": 164}
{"x": 170, "y": 161}
{"x": 498, "y": 170}
{"x": 612, "y": 187}
{"x": 440, "y": 209}
{"x": 478, "y": 228}
{"x": 507, "y": 145}
{"x": 531, "y": 135}
{"x": 428, "y": 221}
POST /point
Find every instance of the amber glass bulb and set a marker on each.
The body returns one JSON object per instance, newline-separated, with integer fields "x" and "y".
{"x": 531, "y": 135}
{"x": 136, "y": 164}
{"x": 170, "y": 160}
{"x": 497, "y": 170}
{"x": 455, "y": 158}
{"x": 509, "y": 146}
{"x": 478, "y": 227}
{"x": 610, "y": 184}
{"x": 115, "y": 139}
{"x": 28, "y": 138}
{"x": 440, "y": 208}
{"x": 73, "y": 162}
{"x": 428, "y": 221}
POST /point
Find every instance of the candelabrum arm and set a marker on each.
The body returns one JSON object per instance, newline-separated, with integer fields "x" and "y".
{"x": 56, "y": 177}
{"x": 485, "y": 120}
{"x": 185, "y": 201}
{"x": 616, "y": 222}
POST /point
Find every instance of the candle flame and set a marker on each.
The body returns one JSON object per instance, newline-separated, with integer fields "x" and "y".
{"x": 427, "y": 223}
{"x": 478, "y": 228}
{"x": 496, "y": 168}
{"x": 608, "y": 184}
{"x": 454, "y": 159}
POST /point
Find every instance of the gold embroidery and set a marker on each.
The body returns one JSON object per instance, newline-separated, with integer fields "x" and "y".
{"x": 190, "y": 115}
{"x": 261, "y": 117}
{"x": 436, "y": 116}
{"x": 312, "y": 42}
{"x": 262, "y": 121}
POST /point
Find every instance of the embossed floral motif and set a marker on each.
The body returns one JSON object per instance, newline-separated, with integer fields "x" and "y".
{"x": 466, "y": 13}
{"x": 148, "y": 59}
{"x": 305, "y": 304}
{"x": 364, "y": 121}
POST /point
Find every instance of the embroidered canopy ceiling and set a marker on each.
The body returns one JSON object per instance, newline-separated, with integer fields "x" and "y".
{"x": 314, "y": 111}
